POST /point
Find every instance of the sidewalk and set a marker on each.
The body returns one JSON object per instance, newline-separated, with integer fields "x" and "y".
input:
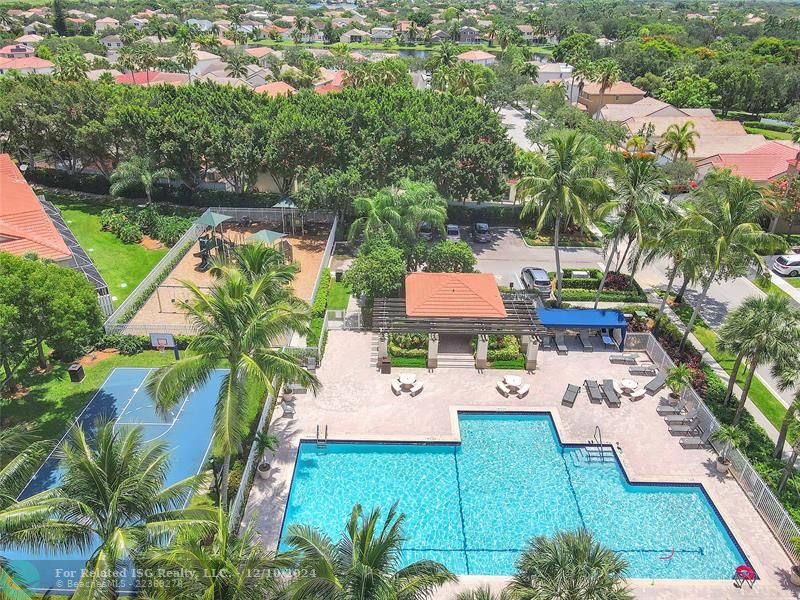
{"x": 787, "y": 287}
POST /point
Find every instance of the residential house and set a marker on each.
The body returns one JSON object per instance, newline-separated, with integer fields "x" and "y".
{"x": 469, "y": 35}
{"x": 478, "y": 57}
{"x": 282, "y": 32}
{"x": 96, "y": 74}
{"x": 381, "y": 34}
{"x": 76, "y": 22}
{"x": 202, "y": 24}
{"x": 257, "y": 75}
{"x": 25, "y": 227}
{"x": 222, "y": 24}
{"x": 527, "y": 33}
{"x": 29, "y": 39}
{"x": 355, "y": 36}
{"x": 106, "y": 23}
{"x": 16, "y": 51}
{"x": 206, "y": 62}
{"x": 37, "y": 28}
{"x": 146, "y": 78}
{"x": 26, "y": 66}
{"x": 137, "y": 23}
{"x": 621, "y": 92}
{"x": 258, "y": 15}
{"x": 274, "y": 89}
{"x": 112, "y": 42}
{"x": 439, "y": 36}
{"x": 402, "y": 27}
{"x": 649, "y": 107}
{"x": 262, "y": 54}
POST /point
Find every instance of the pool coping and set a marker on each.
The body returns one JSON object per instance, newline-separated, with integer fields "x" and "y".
{"x": 454, "y": 438}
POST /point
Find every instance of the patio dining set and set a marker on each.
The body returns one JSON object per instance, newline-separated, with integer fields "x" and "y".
{"x": 512, "y": 385}
{"x": 406, "y": 382}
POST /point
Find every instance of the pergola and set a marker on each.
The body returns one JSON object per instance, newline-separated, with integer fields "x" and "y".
{"x": 462, "y": 304}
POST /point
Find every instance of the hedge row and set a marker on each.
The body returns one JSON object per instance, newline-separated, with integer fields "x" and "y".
{"x": 767, "y": 126}
{"x": 134, "y": 344}
{"x": 98, "y": 184}
{"x": 577, "y": 295}
{"x": 320, "y": 304}
{"x": 493, "y": 214}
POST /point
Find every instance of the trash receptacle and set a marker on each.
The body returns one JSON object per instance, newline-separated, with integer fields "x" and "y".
{"x": 339, "y": 274}
{"x": 76, "y": 373}
{"x": 386, "y": 366}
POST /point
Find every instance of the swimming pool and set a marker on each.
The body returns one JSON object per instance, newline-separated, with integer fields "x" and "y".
{"x": 473, "y": 506}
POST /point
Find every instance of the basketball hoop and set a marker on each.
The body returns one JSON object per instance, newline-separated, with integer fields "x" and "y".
{"x": 162, "y": 342}
{"x": 161, "y": 347}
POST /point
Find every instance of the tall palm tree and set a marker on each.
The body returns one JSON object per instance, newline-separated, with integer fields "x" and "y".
{"x": 413, "y": 32}
{"x": 504, "y": 39}
{"x": 186, "y": 59}
{"x": 679, "y": 140}
{"x": 236, "y": 64}
{"x": 569, "y": 565}
{"x": 70, "y": 66}
{"x": 734, "y": 335}
{"x": 491, "y": 33}
{"x": 444, "y": 57}
{"x": 420, "y": 202}
{"x": 636, "y": 203}
{"x": 563, "y": 184}
{"x": 722, "y": 224}
{"x": 606, "y": 73}
{"x": 582, "y": 71}
{"x": 787, "y": 374}
{"x": 377, "y": 215}
{"x": 238, "y": 329}
{"x": 775, "y": 336}
{"x": 213, "y": 563}
{"x": 146, "y": 58}
{"x": 363, "y": 565}
{"x": 528, "y": 69}
{"x": 139, "y": 170}
{"x": 158, "y": 27}
{"x": 111, "y": 503}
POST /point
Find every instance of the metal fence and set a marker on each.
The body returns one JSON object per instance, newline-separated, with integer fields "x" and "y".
{"x": 118, "y": 321}
{"x": 763, "y": 499}
{"x": 276, "y": 215}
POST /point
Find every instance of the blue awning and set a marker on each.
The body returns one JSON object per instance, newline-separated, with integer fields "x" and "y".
{"x": 577, "y": 317}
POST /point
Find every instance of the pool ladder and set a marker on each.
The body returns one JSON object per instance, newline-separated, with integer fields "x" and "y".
{"x": 322, "y": 442}
{"x": 594, "y": 450}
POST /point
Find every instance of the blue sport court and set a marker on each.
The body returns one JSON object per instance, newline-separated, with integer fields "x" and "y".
{"x": 123, "y": 398}
{"x": 473, "y": 506}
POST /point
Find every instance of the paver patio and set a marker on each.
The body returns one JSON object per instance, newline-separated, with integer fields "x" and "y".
{"x": 357, "y": 403}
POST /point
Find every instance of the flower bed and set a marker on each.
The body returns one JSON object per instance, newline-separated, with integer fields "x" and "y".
{"x": 618, "y": 287}
{"x": 408, "y": 345}
{"x": 504, "y": 352}
{"x": 131, "y": 224}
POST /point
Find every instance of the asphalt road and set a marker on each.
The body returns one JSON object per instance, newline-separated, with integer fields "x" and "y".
{"x": 516, "y": 121}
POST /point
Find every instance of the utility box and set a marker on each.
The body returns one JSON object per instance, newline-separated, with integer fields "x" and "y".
{"x": 76, "y": 373}
{"x": 386, "y": 366}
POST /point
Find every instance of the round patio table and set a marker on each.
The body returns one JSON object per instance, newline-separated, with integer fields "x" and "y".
{"x": 513, "y": 381}
{"x": 407, "y": 380}
{"x": 629, "y": 384}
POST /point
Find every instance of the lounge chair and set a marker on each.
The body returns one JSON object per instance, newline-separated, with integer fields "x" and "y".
{"x": 288, "y": 410}
{"x": 628, "y": 359}
{"x": 671, "y": 409}
{"x": 680, "y": 419}
{"x": 684, "y": 428}
{"x": 547, "y": 342}
{"x": 612, "y": 399}
{"x": 503, "y": 389}
{"x": 523, "y": 391}
{"x": 585, "y": 342}
{"x": 697, "y": 441}
{"x": 593, "y": 389}
{"x": 608, "y": 340}
{"x": 656, "y": 383}
{"x": 643, "y": 370}
{"x": 561, "y": 344}
{"x": 570, "y": 395}
{"x": 396, "y": 388}
{"x": 416, "y": 388}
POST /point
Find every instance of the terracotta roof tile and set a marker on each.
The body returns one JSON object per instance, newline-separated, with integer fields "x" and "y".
{"x": 453, "y": 295}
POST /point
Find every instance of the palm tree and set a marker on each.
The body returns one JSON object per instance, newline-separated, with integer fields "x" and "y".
{"x": 445, "y": 56}
{"x": 238, "y": 328}
{"x": 262, "y": 265}
{"x": 378, "y": 215}
{"x": 775, "y": 337}
{"x": 722, "y": 224}
{"x": 70, "y": 66}
{"x": 583, "y": 71}
{"x": 569, "y": 565}
{"x": 734, "y": 334}
{"x": 20, "y": 446}
{"x": 679, "y": 140}
{"x": 413, "y": 31}
{"x": 788, "y": 469}
{"x": 111, "y": 503}
{"x": 606, "y": 73}
{"x": 214, "y": 563}
{"x": 158, "y": 27}
{"x": 562, "y": 186}
{"x": 678, "y": 378}
{"x": 236, "y": 64}
{"x": 363, "y": 565}
{"x": 730, "y": 437}
{"x": 186, "y": 59}
{"x": 491, "y": 33}
{"x": 420, "y": 202}
{"x": 139, "y": 170}
{"x": 787, "y": 374}
{"x": 529, "y": 69}
{"x": 636, "y": 203}
{"x": 146, "y": 58}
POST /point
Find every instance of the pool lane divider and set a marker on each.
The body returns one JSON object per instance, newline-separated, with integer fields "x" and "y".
{"x": 461, "y": 510}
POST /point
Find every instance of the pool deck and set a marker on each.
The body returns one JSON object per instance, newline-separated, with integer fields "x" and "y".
{"x": 356, "y": 403}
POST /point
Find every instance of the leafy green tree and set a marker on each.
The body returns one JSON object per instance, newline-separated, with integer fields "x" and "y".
{"x": 238, "y": 327}
{"x": 111, "y": 503}
{"x": 734, "y": 336}
{"x": 570, "y": 565}
{"x": 450, "y": 257}
{"x": 377, "y": 273}
{"x": 157, "y": 26}
{"x": 364, "y": 565}
{"x": 562, "y": 186}
{"x": 70, "y": 65}
{"x": 721, "y": 223}
{"x": 209, "y": 561}
{"x": 139, "y": 171}
{"x": 690, "y": 92}
{"x": 59, "y": 22}
{"x": 787, "y": 374}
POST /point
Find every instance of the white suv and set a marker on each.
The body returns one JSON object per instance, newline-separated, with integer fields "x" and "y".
{"x": 787, "y": 265}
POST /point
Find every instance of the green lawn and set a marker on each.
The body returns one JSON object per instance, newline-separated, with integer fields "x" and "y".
{"x": 772, "y": 408}
{"x": 770, "y": 288}
{"x": 339, "y": 296}
{"x": 793, "y": 281}
{"x": 53, "y": 401}
{"x": 123, "y": 266}
{"x": 769, "y": 134}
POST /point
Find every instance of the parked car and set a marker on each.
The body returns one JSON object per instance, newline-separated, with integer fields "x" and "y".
{"x": 426, "y": 231}
{"x": 534, "y": 278}
{"x": 787, "y": 265}
{"x": 453, "y": 232}
{"x": 481, "y": 233}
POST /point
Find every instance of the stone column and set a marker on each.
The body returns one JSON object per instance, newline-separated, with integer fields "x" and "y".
{"x": 433, "y": 350}
{"x": 482, "y": 353}
{"x": 383, "y": 346}
{"x": 531, "y": 353}
{"x": 524, "y": 340}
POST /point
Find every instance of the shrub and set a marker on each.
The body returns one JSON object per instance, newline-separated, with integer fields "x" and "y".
{"x": 320, "y": 303}
{"x": 501, "y": 348}
{"x": 767, "y": 126}
{"x": 408, "y": 345}
{"x": 588, "y": 295}
{"x": 126, "y": 344}
{"x": 130, "y": 233}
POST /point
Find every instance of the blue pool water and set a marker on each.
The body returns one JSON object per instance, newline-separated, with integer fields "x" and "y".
{"x": 473, "y": 506}
{"x": 124, "y": 399}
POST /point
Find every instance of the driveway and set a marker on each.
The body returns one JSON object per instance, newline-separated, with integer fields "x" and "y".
{"x": 507, "y": 254}
{"x": 516, "y": 121}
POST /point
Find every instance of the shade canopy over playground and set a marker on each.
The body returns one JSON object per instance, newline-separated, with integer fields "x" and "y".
{"x": 212, "y": 219}
{"x": 266, "y": 236}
